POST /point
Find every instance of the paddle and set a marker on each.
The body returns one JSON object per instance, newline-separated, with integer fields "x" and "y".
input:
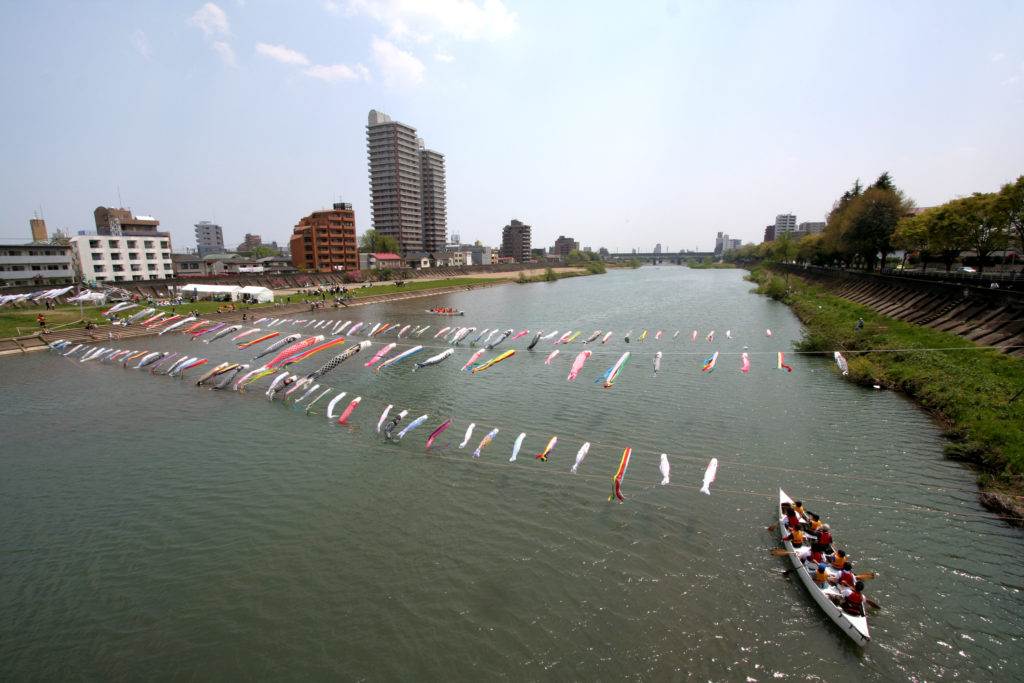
{"x": 872, "y": 603}
{"x": 772, "y": 527}
{"x": 869, "y": 575}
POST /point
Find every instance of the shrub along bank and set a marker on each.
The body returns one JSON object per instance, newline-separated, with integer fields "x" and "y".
{"x": 976, "y": 392}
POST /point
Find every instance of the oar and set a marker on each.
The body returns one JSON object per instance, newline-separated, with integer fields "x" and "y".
{"x": 772, "y": 527}
{"x": 872, "y": 603}
{"x": 869, "y": 575}
{"x": 779, "y": 552}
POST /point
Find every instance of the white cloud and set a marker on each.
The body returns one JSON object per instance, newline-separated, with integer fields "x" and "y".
{"x": 332, "y": 7}
{"x": 141, "y": 43}
{"x": 422, "y": 19}
{"x": 227, "y": 55}
{"x": 441, "y": 57}
{"x": 211, "y": 20}
{"x": 998, "y": 56}
{"x": 400, "y": 68}
{"x": 282, "y": 54}
{"x": 337, "y": 72}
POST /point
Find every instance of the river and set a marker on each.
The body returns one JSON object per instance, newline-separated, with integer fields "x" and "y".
{"x": 156, "y": 530}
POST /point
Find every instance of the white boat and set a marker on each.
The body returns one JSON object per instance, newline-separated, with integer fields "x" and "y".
{"x": 856, "y": 627}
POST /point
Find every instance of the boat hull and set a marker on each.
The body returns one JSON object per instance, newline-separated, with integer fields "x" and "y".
{"x": 855, "y": 627}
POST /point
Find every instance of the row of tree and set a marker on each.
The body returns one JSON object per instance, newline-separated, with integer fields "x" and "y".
{"x": 865, "y": 225}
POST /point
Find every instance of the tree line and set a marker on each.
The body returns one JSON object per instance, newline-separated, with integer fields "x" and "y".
{"x": 866, "y": 225}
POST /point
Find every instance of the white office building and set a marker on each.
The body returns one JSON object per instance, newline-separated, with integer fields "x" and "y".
{"x": 122, "y": 258}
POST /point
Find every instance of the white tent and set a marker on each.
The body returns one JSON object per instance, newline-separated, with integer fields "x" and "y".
{"x": 260, "y": 295}
{"x": 209, "y": 291}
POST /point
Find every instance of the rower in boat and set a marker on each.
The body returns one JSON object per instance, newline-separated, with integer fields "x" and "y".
{"x": 853, "y": 599}
{"x": 845, "y": 577}
{"x": 823, "y": 540}
{"x": 796, "y": 536}
{"x": 820, "y": 576}
{"x": 839, "y": 560}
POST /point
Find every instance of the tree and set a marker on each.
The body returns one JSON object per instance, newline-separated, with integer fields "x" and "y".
{"x": 263, "y": 251}
{"x": 809, "y": 249}
{"x": 1010, "y": 203}
{"x": 373, "y": 242}
{"x": 912, "y": 234}
{"x": 985, "y": 227}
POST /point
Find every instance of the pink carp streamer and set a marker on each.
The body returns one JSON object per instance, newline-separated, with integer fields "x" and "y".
{"x": 554, "y": 353}
{"x": 577, "y": 364}
{"x": 619, "y": 474}
{"x": 782, "y": 363}
{"x": 473, "y": 359}
{"x": 380, "y": 354}
{"x": 694, "y": 338}
{"x": 746, "y": 363}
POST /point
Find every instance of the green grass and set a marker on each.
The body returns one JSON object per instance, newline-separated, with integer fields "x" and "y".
{"x": 975, "y": 391}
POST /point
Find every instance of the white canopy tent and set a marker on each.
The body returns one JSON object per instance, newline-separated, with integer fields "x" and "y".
{"x": 209, "y": 291}
{"x": 260, "y": 295}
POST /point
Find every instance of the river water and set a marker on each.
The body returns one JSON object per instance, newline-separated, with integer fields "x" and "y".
{"x": 157, "y": 530}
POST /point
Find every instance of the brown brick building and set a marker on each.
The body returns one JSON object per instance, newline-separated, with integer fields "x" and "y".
{"x": 325, "y": 241}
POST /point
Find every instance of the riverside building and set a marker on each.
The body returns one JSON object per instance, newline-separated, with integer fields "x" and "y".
{"x": 325, "y": 241}
{"x": 407, "y": 185}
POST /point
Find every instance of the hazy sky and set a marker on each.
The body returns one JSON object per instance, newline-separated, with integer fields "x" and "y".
{"x": 619, "y": 124}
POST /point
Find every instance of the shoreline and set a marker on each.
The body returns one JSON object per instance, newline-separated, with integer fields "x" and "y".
{"x": 972, "y": 398}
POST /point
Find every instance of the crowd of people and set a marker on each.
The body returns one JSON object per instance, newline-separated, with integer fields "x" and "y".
{"x": 827, "y": 566}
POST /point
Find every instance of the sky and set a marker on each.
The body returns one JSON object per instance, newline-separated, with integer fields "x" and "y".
{"x": 621, "y": 125}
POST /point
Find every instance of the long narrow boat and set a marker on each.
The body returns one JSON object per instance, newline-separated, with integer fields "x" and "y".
{"x": 435, "y": 311}
{"x": 856, "y": 627}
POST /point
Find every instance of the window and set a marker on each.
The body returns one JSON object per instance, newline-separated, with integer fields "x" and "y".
{"x": 133, "y": 256}
{"x": 136, "y": 267}
{"x": 113, "y": 244}
{"x": 150, "y": 266}
{"x": 165, "y": 255}
{"x": 94, "y": 244}
{"x": 117, "y": 268}
{"x": 150, "y": 255}
{"x": 163, "y": 244}
{"x": 167, "y": 266}
{"x": 97, "y": 256}
{"x": 148, "y": 244}
{"x": 98, "y": 269}
{"x": 130, "y": 244}
{"x": 115, "y": 257}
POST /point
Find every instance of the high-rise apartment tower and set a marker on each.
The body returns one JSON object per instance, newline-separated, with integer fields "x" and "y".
{"x": 407, "y": 185}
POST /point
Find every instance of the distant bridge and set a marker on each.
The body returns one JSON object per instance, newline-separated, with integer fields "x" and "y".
{"x": 663, "y": 257}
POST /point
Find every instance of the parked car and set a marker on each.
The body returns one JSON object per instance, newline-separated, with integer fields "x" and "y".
{"x": 966, "y": 269}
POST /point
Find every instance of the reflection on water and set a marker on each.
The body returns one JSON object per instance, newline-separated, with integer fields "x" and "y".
{"x": 155, "y": 527}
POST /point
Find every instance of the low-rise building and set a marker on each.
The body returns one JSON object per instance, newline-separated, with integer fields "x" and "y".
{"x": 418, "y": 260}
{"x": 36, "y": 263}
{"x": 378, "y": 260}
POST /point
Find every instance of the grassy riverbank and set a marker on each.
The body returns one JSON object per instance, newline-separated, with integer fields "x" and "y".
{"x": 20, "y": 322}
{"x": 977, "y": 393}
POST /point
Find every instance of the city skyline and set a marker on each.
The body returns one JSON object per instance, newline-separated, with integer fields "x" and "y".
{"x": 685, "y": 120}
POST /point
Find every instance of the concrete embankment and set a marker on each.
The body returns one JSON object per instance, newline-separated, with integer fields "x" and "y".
{"x": 990, "y": 317}
{"x": 111, "y": 333}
